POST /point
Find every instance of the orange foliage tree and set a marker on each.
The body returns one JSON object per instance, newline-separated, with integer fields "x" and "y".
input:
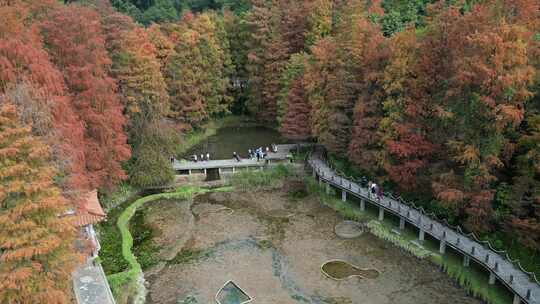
{"x": 36, "y": 254}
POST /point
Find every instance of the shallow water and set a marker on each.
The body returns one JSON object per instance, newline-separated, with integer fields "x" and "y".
{"x": 231, "y": 294}
{"x": 342, "y": 270}
{"x": 236, "y": 139}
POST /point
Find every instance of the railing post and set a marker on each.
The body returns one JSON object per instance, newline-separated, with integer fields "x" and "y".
{"x": 466, "y": 260}
{"x": 343, "y": 195}
{"x": 442, "y": 247}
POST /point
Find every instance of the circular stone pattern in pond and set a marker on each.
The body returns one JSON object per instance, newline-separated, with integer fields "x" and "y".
{"x": 349, "y": 229}
{"x": 341, "y": 270}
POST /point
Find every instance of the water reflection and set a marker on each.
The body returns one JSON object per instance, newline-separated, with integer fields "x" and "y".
{"x": 236, "y": 139}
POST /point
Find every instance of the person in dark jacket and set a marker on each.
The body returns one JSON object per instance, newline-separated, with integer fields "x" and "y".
{"x": 235, "y": 156}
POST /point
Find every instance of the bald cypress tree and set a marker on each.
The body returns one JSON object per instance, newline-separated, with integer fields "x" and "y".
{"x": 36, "y": 258}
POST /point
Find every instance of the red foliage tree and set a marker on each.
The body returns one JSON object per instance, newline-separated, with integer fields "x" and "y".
{"x": 369, "y": 54}
{"x": 36, "y": 86}
{"x": 267, "y": 58}
{"x": 75, "y": 40}
{"x": 296, "y": 122}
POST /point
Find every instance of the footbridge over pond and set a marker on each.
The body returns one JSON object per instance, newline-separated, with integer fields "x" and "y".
{"x": 283, "y": 154}
{"x": 524, "y": 285}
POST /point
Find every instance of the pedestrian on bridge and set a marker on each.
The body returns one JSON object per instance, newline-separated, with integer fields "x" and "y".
{"x": 235, "y": 156}
{"x": 207, "y": 156}
{"x": 202, "y": 157}
{"x": 373, "y": 190}
{"x": 250, "y": 153}
{"x": 195, "y": 157}
{"x": 380, "y": 193}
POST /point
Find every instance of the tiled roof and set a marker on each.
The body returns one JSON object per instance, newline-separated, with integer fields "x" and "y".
{"x": 90, "y": 211}
{"x": 80, "y": 220}
{"x": 91, "y": 204}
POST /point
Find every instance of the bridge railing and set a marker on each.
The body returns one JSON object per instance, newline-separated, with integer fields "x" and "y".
{"x": 485, "y": 244}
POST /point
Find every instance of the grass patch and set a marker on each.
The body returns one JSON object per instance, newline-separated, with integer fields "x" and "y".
{"x": 143, "y": 245}
{"x": 474, "y": 279}
{"x": 130, "y": 281}
{"x": 272, "y": 178}
{"x": 189, "y": 255}
{"x": 348, "y": 210}
{"x": 110, "y": 255}
{"x": 384, "y": 232}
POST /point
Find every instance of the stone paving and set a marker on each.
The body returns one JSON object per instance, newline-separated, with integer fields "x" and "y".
{"x": 90, "y": 285}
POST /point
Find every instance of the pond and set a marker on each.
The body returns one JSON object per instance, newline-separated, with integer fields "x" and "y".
{"x": 236, "y": 139}
{"x": 340, "y": 270}
{"x": 232, "y": 294}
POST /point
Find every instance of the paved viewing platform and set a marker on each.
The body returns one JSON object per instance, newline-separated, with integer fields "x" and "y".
{"x": 283, "y": 153}
{"x": 524, "y": 285}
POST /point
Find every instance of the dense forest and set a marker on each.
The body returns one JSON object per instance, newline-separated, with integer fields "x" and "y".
{"x": 437, "y": 100}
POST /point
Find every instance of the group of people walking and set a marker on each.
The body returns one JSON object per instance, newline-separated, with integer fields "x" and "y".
{"x": 375, "y": 191}
{"x": 261, "y": 153}
{"x": 258, "y": 153}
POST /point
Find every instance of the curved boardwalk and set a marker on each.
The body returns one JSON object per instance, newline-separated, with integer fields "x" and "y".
{"x": 523, "y": 285}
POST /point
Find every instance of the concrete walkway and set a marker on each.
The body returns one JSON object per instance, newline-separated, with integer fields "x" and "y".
{"x": 90, "y": 285}
{"x": 283, "y": 152}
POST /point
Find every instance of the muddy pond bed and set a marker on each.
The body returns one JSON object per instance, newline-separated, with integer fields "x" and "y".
{"x": 273, "y": 247}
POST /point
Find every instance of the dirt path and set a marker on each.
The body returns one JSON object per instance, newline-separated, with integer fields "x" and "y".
{"x": 273, "y": 248}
